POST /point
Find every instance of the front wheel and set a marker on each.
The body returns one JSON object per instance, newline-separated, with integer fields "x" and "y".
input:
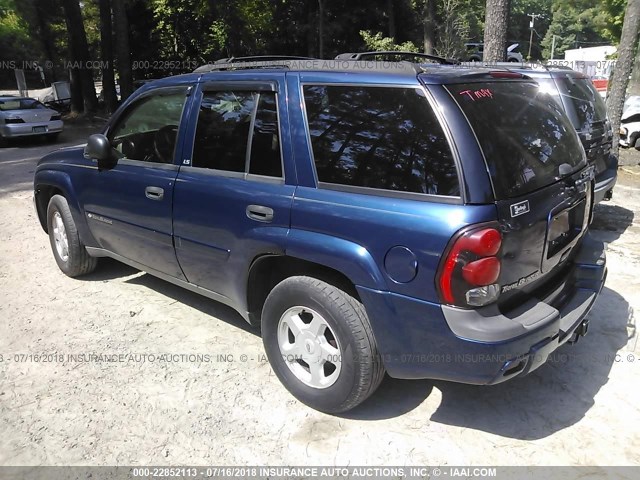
{"x": 320, "y": 345}
{"x": 69, "y": 252}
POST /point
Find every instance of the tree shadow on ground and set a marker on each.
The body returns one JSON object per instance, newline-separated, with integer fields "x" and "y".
{"x": 611, "y": 221}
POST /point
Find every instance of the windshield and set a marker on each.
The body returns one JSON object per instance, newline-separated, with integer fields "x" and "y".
{"x": 20, "y": 104}
{"x": 527, "y": 141}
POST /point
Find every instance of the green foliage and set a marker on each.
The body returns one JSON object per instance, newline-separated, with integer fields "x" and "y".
{"x": 582, "y": 23}
{"x": 203, "y": 30}
{"x": 614, "y": 10}
{"x": 15, "y": 41}
{"x": 376, "y": 42}
{"x": 453, "y": 28}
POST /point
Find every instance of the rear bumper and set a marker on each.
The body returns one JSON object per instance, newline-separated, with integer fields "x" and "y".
{"x": 605, "y": 181}
{"x": 15, "y": 130}
{"x": 418, "y": 339}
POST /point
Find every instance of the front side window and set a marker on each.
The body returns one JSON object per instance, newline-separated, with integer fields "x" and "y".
{"x": 148, "y": 130}
{"x": 379, "y": 137}
{"x": 238, "y": 132}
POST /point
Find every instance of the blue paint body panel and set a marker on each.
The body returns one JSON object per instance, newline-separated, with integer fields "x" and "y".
{"x": 389, "y": 246}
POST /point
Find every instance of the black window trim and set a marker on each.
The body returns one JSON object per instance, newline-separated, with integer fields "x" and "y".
{"x": 142, "y": 163}
{"x": 239, "y": 85}
{"x": 252, "y": 125}
{"x": 429, "y": 197}
{"x": 215, "y": 172}
{"x": 250, "y": 86}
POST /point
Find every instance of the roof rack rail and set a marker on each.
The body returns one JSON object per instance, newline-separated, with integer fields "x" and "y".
{"x": 257, "y": 61}
{"x": 518, "y": 65}
{"x": 365, "y": 55}
{"x": 261, "y": 58}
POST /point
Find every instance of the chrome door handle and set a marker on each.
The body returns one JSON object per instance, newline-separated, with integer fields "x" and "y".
{"x": 260, "y": 213}
{"x": 154, "y": 193}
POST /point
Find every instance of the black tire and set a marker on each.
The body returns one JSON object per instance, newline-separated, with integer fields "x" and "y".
{"x": 361, "y": 368}
{"x": 53, "y": 137}
{"x": 3, "y": 142}
{"x": 78, "y": 262}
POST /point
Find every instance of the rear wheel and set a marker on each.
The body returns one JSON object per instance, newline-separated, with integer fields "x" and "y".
{"x": 320, "y": 345}
{"x": 68, "y": 250}
{"x": 53, "y": 137}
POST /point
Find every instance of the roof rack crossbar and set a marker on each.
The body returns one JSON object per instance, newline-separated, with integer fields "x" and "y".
{"x": 364, "y": 55}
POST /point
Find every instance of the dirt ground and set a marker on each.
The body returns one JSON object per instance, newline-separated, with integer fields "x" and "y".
{"x": 83, "y": 380}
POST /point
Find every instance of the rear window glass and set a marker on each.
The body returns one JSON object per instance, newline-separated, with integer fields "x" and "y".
{"x": 583, "y": 103}
{"x": 20, "y": 104}
{"x": 379, "y": 137}
{"x": 528, "y": 142}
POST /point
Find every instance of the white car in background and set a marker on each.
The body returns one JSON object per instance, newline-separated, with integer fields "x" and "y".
{"x": 23, "y": 116}
{"x": 630, "y": 123}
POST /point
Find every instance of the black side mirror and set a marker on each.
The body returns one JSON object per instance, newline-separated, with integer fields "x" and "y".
{"x": 99, "y": 148}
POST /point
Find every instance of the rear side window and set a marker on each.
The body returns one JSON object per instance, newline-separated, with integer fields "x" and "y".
{"x": 528, "y": 142}
{"x": 379, "y": 137}
{"x": 237, "y": 130}
{"x": 583, "y": 103}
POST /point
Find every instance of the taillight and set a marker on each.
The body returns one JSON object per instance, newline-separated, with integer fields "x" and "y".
{"x": 471, "y": 269}
{"x": 13, "y": 120}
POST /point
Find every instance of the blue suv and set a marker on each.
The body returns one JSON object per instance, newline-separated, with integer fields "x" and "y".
{"x": 423, "y": 220}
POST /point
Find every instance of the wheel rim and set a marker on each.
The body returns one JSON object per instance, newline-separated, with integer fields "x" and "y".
{"x": 60, "y": 237}
{"x": 309, "y": 347}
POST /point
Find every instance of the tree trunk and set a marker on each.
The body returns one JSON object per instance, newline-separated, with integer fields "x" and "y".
{"x": 391, "y": 18}
{"x": 47, "y": 40}
{"x": 123, "y": 51}
{"x": 429, "y": 25}
{"x": 624, "y": 64}
{"x": 106, "y": 50}
{"x": 321, "y": 28}
{"x": 80, "y": 54}
{"x": 311, "y": 29}
{"x": 75, "y": 89}
{"x": 495, "y": 30}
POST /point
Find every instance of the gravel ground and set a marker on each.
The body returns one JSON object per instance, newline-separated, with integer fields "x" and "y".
{"x": 220, "y": 403}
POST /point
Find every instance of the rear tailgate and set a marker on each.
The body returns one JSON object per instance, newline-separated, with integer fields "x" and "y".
{"x": 540, "y": 232}
{"x": 542, "y": 185}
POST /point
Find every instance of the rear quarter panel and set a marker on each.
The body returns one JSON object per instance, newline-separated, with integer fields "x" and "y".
{"x": 369, "y": 226}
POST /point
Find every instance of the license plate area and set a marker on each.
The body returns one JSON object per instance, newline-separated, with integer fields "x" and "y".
{"x": 565, "y": 227}
{"x": 39, "y": 129}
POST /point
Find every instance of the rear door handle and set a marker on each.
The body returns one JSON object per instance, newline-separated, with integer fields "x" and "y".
{"x": 260, "y": 213}
{"x": 154, "y": 193}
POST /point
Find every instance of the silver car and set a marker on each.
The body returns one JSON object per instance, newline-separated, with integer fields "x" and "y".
{"x": 22, "y": 116}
